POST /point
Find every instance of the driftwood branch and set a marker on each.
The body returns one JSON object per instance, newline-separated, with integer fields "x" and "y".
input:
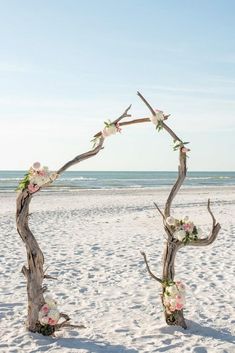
{"x": 95, "y": 150}
{"x": 148, "y": 268}
{"x": 159, "y": 210}
{"x": 182, "y": 170}
{"x": 66, "y": 323}
{"x": 173, "y": 245}
{"x": 213, "y": 233}
{"x": 49, "y": 277}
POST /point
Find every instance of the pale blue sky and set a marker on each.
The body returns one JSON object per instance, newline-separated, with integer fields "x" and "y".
{"x": 66, "y": 66}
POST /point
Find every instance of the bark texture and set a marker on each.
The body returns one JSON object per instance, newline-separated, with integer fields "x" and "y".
{"x": 34, "y": 273}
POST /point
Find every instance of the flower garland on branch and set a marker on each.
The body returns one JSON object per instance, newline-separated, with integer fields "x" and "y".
{"x": 36, "y": 177}
{"x": 183, "y": 229}
{"x": 174, "y": 296}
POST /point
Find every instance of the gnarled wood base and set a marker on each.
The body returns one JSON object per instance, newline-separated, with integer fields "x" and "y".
{"x": 176, "y": 319}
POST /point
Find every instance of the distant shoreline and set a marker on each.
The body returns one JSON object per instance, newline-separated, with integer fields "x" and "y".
{"x": 129, "y": 191}
{"x": 73, "y": 181}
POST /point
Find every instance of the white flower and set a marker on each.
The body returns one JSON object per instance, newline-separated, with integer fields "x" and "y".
{"x": 39, "y": 180}
{"x": 177, "y": 142}
{"x": 186, "y": 218}
{"x": 54, "y": 314}
{"x": 43, "y": 181}
{"x": 180, "y": 234}
{"x": 44, "y": 320}
{"x": 170, "y": 220}
{"x": 40, "y": 315}
{"x": 172, "y": 301}
{"x": 109, "y": 130}
{"x": 172, "y": 290}
{"x": 159, "y": 116}
{"x": 51, "y": 302}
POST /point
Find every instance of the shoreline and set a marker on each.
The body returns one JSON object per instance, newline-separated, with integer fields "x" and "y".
{"x": 121, "y": 191}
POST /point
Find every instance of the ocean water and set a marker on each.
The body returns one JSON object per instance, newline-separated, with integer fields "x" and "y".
{"x": 75, "y": 180}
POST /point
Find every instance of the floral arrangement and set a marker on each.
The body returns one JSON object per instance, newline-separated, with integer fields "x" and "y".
{"x": 109, "y": 129}
{"x": 180, "y": 145}
{"x": 183, "y": 229}
{"x": 174, "y": 296}
{"x": 36, "y": 177}
{"x": 158, "y": 119}
{"x": 49, "y": 313}
{"x": 48, "y": 316}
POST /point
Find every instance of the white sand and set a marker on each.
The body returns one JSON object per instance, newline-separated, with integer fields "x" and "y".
{"x": 91, "y": 242}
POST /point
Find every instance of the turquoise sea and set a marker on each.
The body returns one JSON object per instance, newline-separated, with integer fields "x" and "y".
{"x": 75, "y": 180}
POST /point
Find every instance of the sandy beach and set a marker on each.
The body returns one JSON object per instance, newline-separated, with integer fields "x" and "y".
{"x": 92, "y": 241}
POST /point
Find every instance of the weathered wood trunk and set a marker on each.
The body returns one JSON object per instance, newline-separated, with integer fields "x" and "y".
{"x": 34, "y": 273}
{"x": 177, "y": 317}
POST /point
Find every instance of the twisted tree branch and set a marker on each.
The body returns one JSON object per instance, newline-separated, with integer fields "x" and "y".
{"x": 148, "y": 268}
{"x": 213, "y": 233}
{"x": 182, "y": 170}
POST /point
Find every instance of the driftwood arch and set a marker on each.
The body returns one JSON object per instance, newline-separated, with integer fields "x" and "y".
{"x": 34, "y": 272}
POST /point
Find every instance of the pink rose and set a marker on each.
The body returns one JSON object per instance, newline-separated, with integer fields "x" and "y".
{"x": 36, "y": 166}
{"x": 185, "y": 149}
{"x": 179, "y": 306}
{"x": 188, "y": 227}
{"x": 51, "y": 321}
{"x": 44, "y": 320}
{"x": 45, "y": 308}
{"x": 179, "y": 298}
{"x": 33, "y": 188}
{"x": 179, "y": 284}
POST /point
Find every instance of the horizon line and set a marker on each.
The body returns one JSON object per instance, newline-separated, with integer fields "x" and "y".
{"x": 95, "y": 171}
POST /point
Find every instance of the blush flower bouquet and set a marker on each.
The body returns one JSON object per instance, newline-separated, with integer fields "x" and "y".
{"x": 110, "y": 129}
{"x": 36, "y": 177}
{"x": 183, "y": 229}
{"x": 48, "y": 316}
{"x": 157, "y": 119}
{"x": 174, "y": 296}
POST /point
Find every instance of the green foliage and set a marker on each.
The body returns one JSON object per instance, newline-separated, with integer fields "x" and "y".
{"x": 23, "y": 183}
{"x": 108, "y": 123}
{"x": 178, "y": 144}
{"x": 168, "y": 283}
{"x": 46, "y": 330}
{"x": 191, "y": 237}
{"x": 159, "y": 126}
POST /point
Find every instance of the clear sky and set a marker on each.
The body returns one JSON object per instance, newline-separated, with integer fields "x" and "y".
{"x": 68, "y": 65}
